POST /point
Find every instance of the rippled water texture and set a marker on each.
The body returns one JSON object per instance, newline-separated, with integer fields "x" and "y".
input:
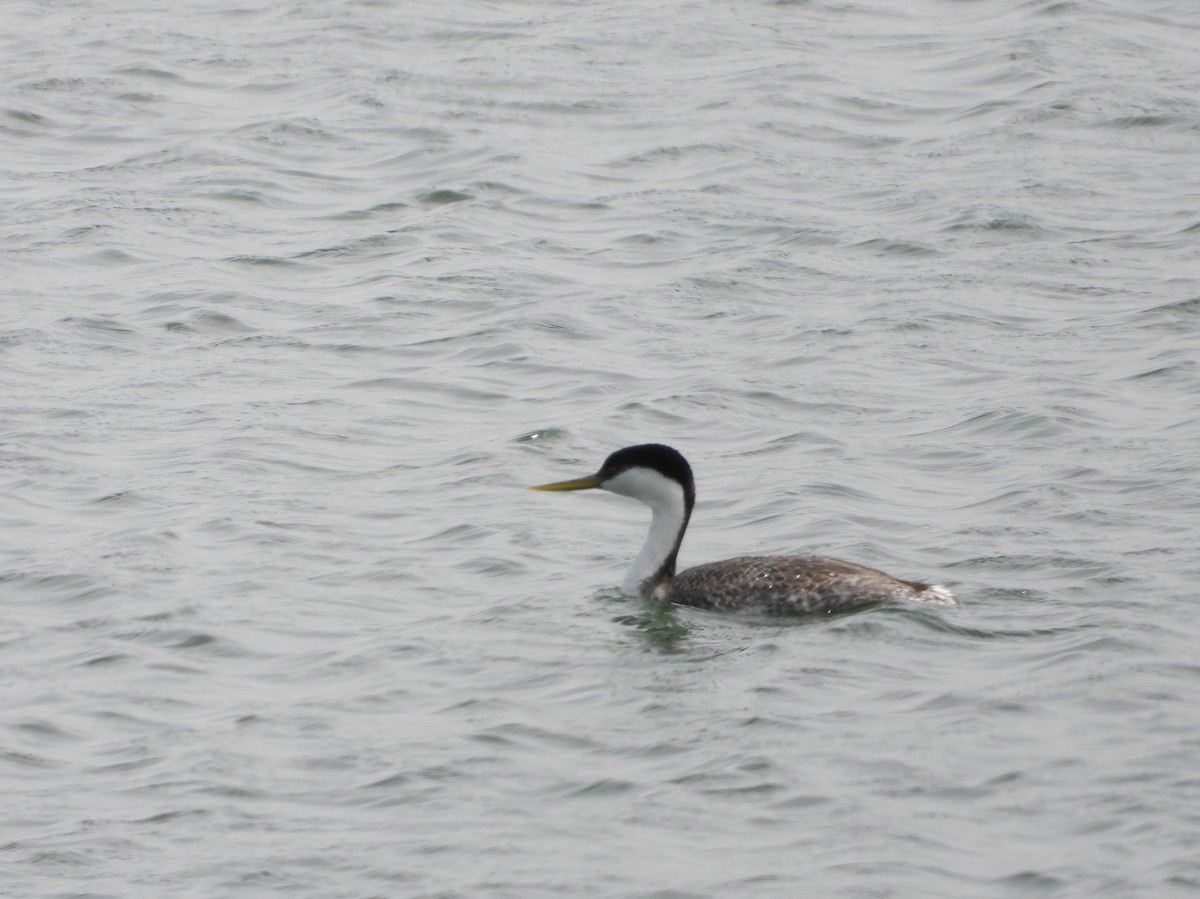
{"x": 299, "y": 296}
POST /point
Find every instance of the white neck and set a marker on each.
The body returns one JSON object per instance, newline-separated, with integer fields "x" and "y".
{"x": 668, "y": 520}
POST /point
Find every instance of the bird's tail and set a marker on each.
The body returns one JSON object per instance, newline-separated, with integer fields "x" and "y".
{"x": 939, "y": 595}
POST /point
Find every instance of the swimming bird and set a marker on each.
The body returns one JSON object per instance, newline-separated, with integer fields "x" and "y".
{"x": 661, "y": 477}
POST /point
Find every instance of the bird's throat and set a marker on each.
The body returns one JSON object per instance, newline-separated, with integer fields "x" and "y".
{"x": 655, "y": 562}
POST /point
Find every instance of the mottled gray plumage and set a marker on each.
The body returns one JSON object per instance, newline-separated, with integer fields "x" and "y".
{"x": 783, "y": 585}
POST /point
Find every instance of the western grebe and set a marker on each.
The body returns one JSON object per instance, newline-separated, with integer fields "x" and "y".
{"x": 661, "y": 478}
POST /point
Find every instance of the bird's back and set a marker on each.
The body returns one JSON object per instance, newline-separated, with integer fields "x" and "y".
{"x": 792, "y": 585}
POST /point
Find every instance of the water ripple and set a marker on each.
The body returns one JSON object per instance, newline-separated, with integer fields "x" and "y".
{"x": 303, "y": 296}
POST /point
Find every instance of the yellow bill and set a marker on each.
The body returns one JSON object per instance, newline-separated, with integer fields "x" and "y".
{"x": 580, "y": 484}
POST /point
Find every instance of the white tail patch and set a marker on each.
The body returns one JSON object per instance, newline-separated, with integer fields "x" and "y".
{"x": 937, "y": 595}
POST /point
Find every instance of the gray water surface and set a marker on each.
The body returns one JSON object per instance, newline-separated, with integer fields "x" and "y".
{"x": 298, "y": 297}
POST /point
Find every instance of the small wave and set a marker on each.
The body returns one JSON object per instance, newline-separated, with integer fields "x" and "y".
{"x": 1189, "y": 123}
{"x": 444, "y": 197}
